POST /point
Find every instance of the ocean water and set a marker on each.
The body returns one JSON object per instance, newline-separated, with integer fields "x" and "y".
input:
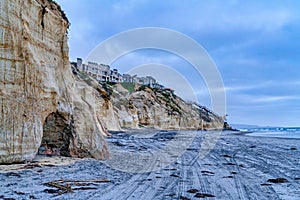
{"x": 279, "y": 132}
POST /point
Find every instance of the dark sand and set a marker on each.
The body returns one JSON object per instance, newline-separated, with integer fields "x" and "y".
{"x": 239, "y": 167}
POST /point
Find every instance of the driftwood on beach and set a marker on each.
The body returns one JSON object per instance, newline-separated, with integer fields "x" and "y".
{"x": 65, "y": 186}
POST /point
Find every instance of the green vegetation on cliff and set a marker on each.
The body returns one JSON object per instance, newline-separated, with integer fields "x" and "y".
{"x": 128, "y": 86}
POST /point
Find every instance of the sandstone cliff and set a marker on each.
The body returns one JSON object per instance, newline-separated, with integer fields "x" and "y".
{"x": 41, "y": 102}
{"x": 160, "y": 109}
{"x": 137, "y": 106}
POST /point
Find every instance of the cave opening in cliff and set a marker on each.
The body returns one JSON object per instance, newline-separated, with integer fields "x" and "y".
{"x": 57, "y": 135}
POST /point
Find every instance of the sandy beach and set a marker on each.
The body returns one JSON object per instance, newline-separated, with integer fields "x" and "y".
{"x": 239, "y": 167}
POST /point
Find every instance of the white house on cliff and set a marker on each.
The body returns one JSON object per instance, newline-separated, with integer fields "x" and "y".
{"x": 103, "y": 73}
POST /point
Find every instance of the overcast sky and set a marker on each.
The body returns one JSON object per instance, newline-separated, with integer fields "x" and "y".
{"x": 255, "y": 45}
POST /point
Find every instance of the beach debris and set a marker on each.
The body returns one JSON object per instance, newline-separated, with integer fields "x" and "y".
{"x": 278, "y": 180}
{"x": 233, "y": 172}
{"x": 32, "y": 197}
{"x": 192, "y": 191}
{"x": 207, "y": 172}
{"x": 192, "y": 149}
{"x": 49, "y": 165}
{"x": 10, "y": 184}
{"x": 174, "y": 175}
{"x": 227, "y": 156}
{"x": 227, "y": 176}
{"x": 293, "y": 148}
{"x": 203, "y": 195}
{"x": 170, "y": 169}
{"x": 52, "y": 191}
{"x": 120, "y": 144}
{"x": 142, "y": 148}
{"x": 65, "y": 186}
{"x": 31, "y": 166}
{"x": 19, "y": 193}
{"x": 228, "y": 164}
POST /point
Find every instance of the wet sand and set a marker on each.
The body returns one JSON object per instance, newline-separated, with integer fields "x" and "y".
{"x": 239, "y": 167}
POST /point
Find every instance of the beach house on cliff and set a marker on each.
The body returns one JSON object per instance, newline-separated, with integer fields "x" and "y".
{"x": 100, "y": 72}
{"x": 103, "y": 73}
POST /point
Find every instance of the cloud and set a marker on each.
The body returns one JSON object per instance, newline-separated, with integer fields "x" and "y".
{"x": 147, "y": 56}
{"x": 272, "y": 99}
{"x": 216, "y": 17}
{"x": 254, "y": 43}
{"x": 241, "y": 88}
{"x": 248, "y": 100}
{"x": 294, "y": 83}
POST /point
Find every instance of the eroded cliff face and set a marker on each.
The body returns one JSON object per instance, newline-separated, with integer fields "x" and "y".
{"x": 38, "y": 93}
{"x": 153, "y": 108}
